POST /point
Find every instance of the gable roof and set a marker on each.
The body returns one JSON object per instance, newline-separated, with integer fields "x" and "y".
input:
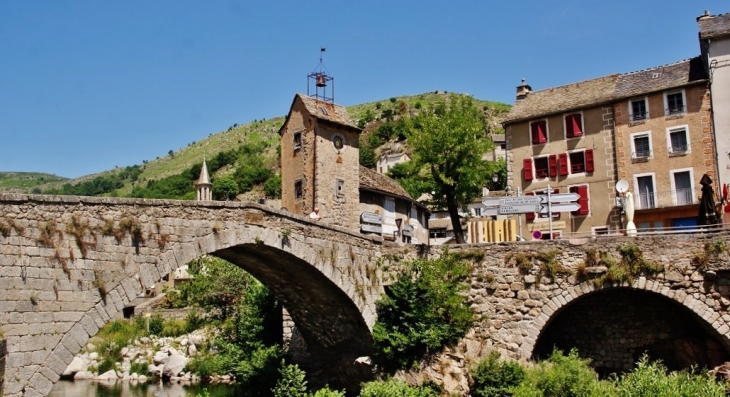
{"x": 379, "y": 183}
{"x": 564, "y": 98}
{"x": 322, "y": 110}
{"x": 714, "y": 26}
{"x": 660, "y": 78}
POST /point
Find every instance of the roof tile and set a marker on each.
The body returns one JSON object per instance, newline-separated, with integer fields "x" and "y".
{"x": 715, "y": 26}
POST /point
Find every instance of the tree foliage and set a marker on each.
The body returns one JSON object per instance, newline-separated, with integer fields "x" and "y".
{"x": 493, "y": 377}
{"x": 422, "y": 312}
{"x": 225, "y": 188}
{"x": 396, "y": 388}
{"x": 450, "y": 138}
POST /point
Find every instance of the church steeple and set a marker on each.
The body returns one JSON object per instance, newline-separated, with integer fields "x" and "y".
{"x": 203, "y": 186}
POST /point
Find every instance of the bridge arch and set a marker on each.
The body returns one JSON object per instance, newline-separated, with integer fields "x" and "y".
{"x": 326, "y": 277}
{"x": 615, "y": 325}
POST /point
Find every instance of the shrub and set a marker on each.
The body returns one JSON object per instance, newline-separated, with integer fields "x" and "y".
{"x": 272, "y": 187}
{"x": 651, "y": 379}
{"x": 395, "y": 388}
{"x": 157, "y": 324}
{"x": 495, "y": 378}
{"x": 422, "y": 312}
{"x": 291, "y": 382}
{"x": 560, "y": 375}
{"x": 327, "y": 392}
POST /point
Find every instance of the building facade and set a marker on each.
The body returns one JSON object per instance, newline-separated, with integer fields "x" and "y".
{"x": 664, "y": 142}
{"x": 562, "y": 138}
{"x": 714, "y": 34}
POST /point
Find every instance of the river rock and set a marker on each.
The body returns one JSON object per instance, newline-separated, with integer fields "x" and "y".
{"x": 83, "y": 375}
{"x": 93, "y": 356}
{"x": 161, "y": 357}
{"x": 155, "y": 370}
{"x": 192, "y": 350}
{"x": 77, "y": 365}
{"x": 108, "y": 375}
{"x": 174, "y": 365}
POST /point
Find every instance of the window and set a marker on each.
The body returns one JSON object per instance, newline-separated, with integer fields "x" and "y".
{"x": 584, "y": 202}
{"x": 298, "y": 191}
{"x": 573, "y": 125}
{"x": 339, "y": 189}
{"x": 640, "y": 146}
{"x": 677, "y": 140}
{"x": 541, "y": 167}
{"x": 645, "y": 196}
{"x": 597, "y": 231}
{"x": 297, "y": 140}
{"x": 638, "y": 110}
{"x": 581, "y": 161}
{"x": 674, "y": 103}
{"x": 538, "y": 132}
{"x": 681, "y": 181}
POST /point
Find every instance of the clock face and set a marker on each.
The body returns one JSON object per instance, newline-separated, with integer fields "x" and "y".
{"x": 338, "y": 142}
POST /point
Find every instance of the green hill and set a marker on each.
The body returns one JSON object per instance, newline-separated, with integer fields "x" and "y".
{"x": 261, "y": 134}
{"x": 26, "y": 181}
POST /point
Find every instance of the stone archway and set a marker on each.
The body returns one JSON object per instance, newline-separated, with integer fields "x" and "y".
{"x": 614, "y": 327}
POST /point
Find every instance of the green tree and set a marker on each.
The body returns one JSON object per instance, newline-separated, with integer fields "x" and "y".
{"x": 450, "y": 138}
{"x": 225, "y": 188}
{"x": 272, "y": 187}
{"x": 423, "y": 311}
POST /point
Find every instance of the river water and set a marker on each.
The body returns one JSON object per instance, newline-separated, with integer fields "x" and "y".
{"x": 87, "y": 388}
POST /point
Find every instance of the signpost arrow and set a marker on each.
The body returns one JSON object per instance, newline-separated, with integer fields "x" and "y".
{"x": 519, "y": 209}
{"x": 560, "y": 207}
{"x": 560, "y": 197}
{"x": 491, "y": 201}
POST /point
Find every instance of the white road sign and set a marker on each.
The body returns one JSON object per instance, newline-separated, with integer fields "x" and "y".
{"x": 518, "y": 209}
{"x": 560, "y": 207}
{"x": 522, "y": 200}
{"x": 560, "y": 197}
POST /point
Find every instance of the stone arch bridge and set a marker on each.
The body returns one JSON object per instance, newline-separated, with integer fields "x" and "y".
{"x": 70, "y": 264}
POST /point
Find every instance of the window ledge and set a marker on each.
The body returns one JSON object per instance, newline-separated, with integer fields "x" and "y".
{"x": 637, "y": 122}
{"x": 640, "y": 159}
{"x": 674, "y": 116}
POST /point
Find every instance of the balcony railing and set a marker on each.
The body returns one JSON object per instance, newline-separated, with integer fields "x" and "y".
{"x": 641, "y": 155}
{"x": 670, "y": 198}
{"x": 641, "y": 116}
{"x": 675, "y": 110}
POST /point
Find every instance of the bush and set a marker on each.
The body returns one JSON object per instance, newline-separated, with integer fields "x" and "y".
{"x": 272, "y": 187}
{"x": 291, "y": 382}
{"x": 422, "y": 312}
{"x": 651, "y": 379}
{"x": 495, "y": 378}
{"x": 560, "y": 375}
{"x": 157, "y": 324}
{"x": 395, "y": 388}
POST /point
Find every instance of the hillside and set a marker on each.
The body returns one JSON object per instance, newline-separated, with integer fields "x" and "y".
{"x": 123, "y": 181}
{"x": 26, "y": 181}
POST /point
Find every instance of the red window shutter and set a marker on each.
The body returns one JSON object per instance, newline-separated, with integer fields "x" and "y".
{"x": 539, "y": 132}
{"x": 563, "y": 164}
{"x": 527, "y": 168}
{"x": 573, "y": 125}
{"x": 589, "y": 160}
{"x": 583, "y": 200}
{"x": 553, "y": 165}
{"x": 530, "y": 216}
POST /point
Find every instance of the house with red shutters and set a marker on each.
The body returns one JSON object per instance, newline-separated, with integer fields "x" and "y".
{"x": 562, "y": 138}
{"x": 651, "y": 128}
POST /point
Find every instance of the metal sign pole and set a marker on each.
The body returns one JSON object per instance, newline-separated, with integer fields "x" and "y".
{"x": 519, "y": 216}
{"x": 550, "y": 212}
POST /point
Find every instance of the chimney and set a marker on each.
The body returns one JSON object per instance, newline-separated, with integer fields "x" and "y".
{"x": 704, "y": 16}
{"x": 522, "y": 90}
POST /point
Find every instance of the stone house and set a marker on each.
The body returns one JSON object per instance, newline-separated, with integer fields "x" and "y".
{"x": 388, "y": 160}
{"x": 562, "y": 138}
{"x": 714, "y": 34}
{"x": 320, "y": 168}
{"x": 664, "y": 142}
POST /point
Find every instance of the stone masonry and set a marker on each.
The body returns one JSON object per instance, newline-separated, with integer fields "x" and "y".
{"x": 69, "y": 264}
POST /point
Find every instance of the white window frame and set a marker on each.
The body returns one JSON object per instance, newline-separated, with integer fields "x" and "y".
{"x": 673, "y": 187}
{"x": 570, "y": 163}
{"x": 582, "y": 125}
{"x": 686, "y": 137}
{"x": 594, "y": 229}
{"x": 666, "y": 103}
{"x": 633, "y": 145}
{"x": 534, "y": 168}
{"x": 631, "y": 109}
{"x": 637, "y": 192}
{"x": 547, "y": 131}
{"x": 590, "y": 207}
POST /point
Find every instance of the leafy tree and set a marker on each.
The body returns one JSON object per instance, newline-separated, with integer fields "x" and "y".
{"x": 423, "y": 311}
{"x": 395, "y": 388}
{"x": 272, "y": 187}
{"x": 171, "y": 153}
{"x": 225, "y": 188}
{"x": 291, "y": 382}
{"x": 413, "y": 177}
{"x": 450, "y": 139}
{"x": 367, "y": 152}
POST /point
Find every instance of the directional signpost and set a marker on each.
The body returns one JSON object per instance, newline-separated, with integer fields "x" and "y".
{"x": 542, "y": 203}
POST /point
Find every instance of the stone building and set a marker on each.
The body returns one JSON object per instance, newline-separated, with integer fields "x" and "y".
{"x": 562, "y": 137}
{"x": 714, "y": 34}
{"x": 664, "y": 142}
{"x": 320, "y": 168}
{"x": 388, "y": 160}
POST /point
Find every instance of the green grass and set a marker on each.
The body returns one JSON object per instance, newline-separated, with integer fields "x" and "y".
{"x": 26, "y": 180}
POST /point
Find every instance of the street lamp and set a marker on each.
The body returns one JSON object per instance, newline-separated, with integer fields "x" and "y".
{"x": 495, "y": 179}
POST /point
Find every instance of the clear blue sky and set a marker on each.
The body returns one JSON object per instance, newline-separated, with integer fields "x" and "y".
{"x": 88, "y": 85}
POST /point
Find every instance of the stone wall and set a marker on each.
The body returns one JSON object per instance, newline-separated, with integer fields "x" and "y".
{"x": 520, "y": 308}
{"x": 3, "y": 353}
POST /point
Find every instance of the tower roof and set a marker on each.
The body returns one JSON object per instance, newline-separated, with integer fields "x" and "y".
{"x": 321, "y": 110}
{"x": 203, "y": 179}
